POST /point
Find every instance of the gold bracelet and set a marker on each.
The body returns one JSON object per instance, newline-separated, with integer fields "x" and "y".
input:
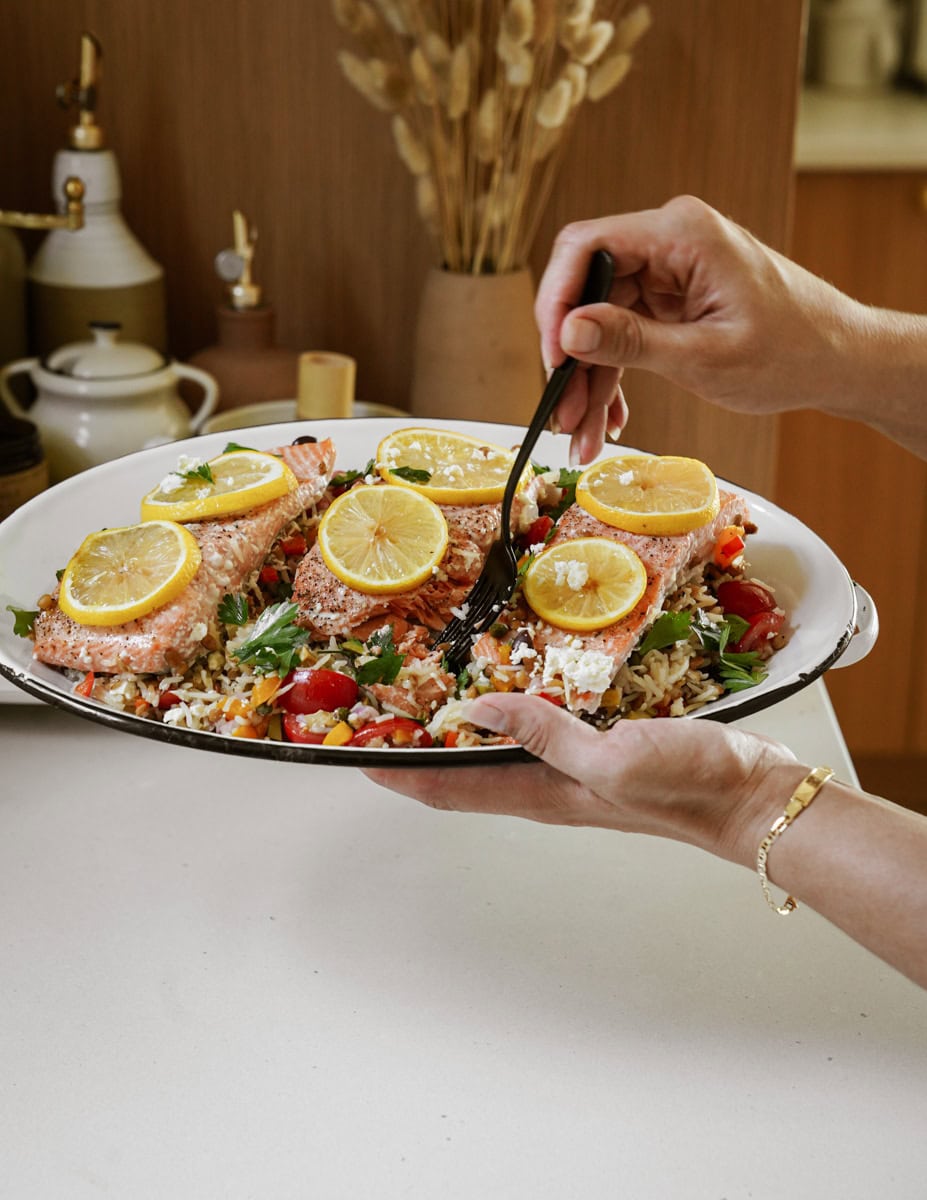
{"x": 798, "y": 802}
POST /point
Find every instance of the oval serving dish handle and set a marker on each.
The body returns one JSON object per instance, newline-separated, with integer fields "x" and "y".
{"x": 867, "y": 629}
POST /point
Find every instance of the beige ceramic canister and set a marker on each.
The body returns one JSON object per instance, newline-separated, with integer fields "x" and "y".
{"x": 101, "y": 272}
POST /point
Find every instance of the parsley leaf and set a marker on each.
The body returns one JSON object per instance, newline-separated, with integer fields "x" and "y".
{"x": 411, "y": 474}
{"x": 385, "y": 667}
{"x": 566, "y": 480}
{"x": 346, "y": 478}
{"x": 203, "y": 471}
{"x": 23, "y": 620}
{"x": 274, "y": 640}
{"x": 233, "y": 610}
{"x": 232, "y": 446}
{"x": 735, "y": 671}
{"x": 668, "y": 629}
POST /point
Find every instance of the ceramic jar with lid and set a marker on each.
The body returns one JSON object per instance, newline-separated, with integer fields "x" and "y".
{"x": 23, "y": 469}
{"x": 103, "y": 398}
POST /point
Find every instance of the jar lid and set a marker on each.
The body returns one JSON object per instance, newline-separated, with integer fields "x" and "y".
{"x": 20, "y": 447}
{"x": 105, "y": 357}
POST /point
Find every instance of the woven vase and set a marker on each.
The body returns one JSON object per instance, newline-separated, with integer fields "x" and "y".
{"x": 477, "y": 350}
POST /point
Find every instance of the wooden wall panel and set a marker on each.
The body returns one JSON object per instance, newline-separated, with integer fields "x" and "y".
{"x": 232, "y": 103}
{"x": 864, "y": 494}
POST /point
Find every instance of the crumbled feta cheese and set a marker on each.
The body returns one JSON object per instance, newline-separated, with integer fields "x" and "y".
{"x": 521, "y": 652}
{"x": 581, "y": 670}
{"x": 573, "y": 573}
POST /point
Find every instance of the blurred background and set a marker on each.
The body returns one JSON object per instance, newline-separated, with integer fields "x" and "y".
{"x": 805, "y": 123}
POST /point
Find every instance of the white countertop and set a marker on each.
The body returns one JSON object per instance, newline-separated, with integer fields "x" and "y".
{"x": 227, "y": 979}
{"x": 861, "y": 131}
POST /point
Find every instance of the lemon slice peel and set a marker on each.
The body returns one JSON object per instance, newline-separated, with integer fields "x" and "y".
{"x": 118, "y": 575}
{"x": 446, "y": 466}
{"x": 586, "y": 584}
{"x": 656, "y": 495}
{"x": 381, "y": 539}
{"x": 240, "y": 481}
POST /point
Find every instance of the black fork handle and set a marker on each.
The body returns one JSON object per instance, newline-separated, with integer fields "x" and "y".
{"x": 595, "y": 291}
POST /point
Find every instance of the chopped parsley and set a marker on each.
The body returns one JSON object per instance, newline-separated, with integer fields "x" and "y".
{"x": 274, "y": 641}
{"x": 346, "y": 478}
{"x": 735, "y": 670}
{"x": 668, "y": 629}
{"x": 567, "y": 480}
{"x": 23, "y": 620}
{"x": 203, "y": 471}
{"x": 411, "y": 474}
{"x": 385, "y": 666}
{"x": 233, "y": 610}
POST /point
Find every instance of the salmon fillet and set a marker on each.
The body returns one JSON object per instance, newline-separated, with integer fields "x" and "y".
{"x": 171, "y": 637}
{"x": 330, "y": 608}
{"x": 668, "y": 562}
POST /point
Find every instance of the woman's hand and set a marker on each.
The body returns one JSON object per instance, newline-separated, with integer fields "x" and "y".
{"x": 694, "y": 781}
{"x": 701, "y": 302}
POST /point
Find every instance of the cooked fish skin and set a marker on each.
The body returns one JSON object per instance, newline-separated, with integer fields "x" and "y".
{"x": 330, "y": 608}
{"x": 174, "y": 635}
{"x": 667, "y": 560}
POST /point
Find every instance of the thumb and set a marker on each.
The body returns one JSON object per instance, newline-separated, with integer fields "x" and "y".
{"x": 612, "y": 336}
{"x": 545, "y": 730}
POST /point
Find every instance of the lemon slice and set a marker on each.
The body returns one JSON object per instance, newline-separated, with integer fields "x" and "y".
{"x": 649, "y": 494}
{"x": 241, "y": 480}
{"x": 585, "y": 584}
{"x": 381, "y": 538}
{"x": 120, "y": 574}
{"x": 447, "y": 467}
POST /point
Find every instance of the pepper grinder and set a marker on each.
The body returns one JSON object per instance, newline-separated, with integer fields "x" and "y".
{"x": 246, "y": 361}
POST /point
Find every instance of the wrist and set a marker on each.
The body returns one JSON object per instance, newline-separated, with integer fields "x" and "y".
{"x": 884, "y": 367}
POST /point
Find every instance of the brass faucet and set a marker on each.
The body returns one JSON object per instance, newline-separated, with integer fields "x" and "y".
{"x": 71, "y": 218}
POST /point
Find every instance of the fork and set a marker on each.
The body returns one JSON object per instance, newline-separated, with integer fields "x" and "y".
{"x": 499, "y": 575}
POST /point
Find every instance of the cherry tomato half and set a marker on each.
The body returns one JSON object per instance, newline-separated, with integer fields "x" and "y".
{"x": 396, "y": 731}
{"x": 294, "y": 730}
{"x": 537, "y": 531}
{"x": 317, "y": 689}
{"x": 762, "y": 626}
{"x": 744, "y": 598}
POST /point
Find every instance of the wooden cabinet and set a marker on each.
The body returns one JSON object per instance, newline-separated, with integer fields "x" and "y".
{"x": 866, "y": 232}
{"x": 228, "y": 104}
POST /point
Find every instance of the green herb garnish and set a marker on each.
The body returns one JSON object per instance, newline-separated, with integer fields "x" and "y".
{"x": 233, "y": 610}
{"x": 346, "y": 478}
{"x": 668, "y": 629}
{"x": 385, "y": 666}
{"x": 203, "y": 471}
{"x": 566, "y": 480}
{"x": 274, "y": 640}
{"x": 411, "y": 474}
{"x": 231, "y": 447}
{"x": 735, "y": 671}
{"x": 23, "y": 620}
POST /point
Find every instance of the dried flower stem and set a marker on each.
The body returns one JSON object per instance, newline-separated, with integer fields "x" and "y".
{"x": 482, "y": 96}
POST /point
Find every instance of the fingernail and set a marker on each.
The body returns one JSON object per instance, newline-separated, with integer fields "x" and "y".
{"x": 613, "y": 429}
{"x": 554, "y": 423}
{"x": 485, "y": 714}
{"x": 574, "y": 454}
{"x": 581, "y": 336}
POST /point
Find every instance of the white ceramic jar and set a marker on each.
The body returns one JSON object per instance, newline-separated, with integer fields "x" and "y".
{"x": 100, "y": 399}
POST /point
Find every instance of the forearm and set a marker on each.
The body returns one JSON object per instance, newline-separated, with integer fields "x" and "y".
{"x": 883, "y": 377}
{"x": 858, "y": 860}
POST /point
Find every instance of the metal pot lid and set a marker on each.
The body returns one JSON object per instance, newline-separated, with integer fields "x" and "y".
{"x": 105, "y": 357}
